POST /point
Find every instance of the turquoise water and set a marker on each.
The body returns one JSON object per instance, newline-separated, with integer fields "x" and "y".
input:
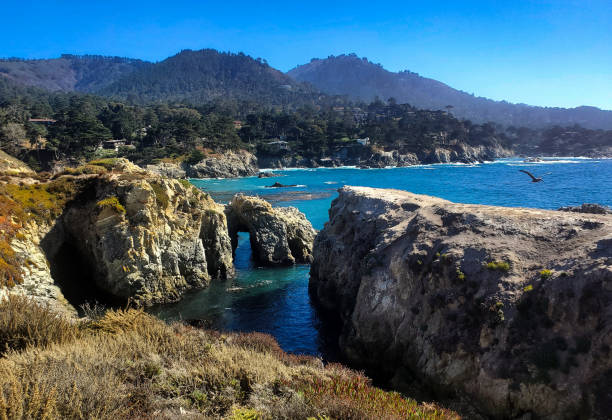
{"x": 275, "y": 300}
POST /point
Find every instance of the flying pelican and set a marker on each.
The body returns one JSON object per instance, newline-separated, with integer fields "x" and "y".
{"x": 533, "y": 178}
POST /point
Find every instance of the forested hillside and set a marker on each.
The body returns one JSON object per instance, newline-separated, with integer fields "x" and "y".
{"x": 78, "y": 124}
{"x": 83, "y": 73}
{"x": 363, "y": 80}
{"x": 198, "y": 77}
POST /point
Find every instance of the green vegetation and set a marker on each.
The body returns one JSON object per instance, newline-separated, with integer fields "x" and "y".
{"x": 128, "y": 364}
{"x": 11, "y": 217}
{"x": 107, "y": 164}
{"x": 460, "y": 275}
{"x": 41, "y": 201}
{"x": 161, "y": 197}
{"x": 111, "y": 203}
{"x": 498, "y": 266}
{"x": 546, "y": 274}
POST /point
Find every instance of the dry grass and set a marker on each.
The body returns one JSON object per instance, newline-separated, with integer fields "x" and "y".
{"x": 128, "y": 364}
{"x": 24, "y": 325}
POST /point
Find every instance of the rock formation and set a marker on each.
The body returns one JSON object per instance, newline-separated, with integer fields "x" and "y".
{"x": 511, "y": 307}
{"x": 588, "y": 208}
{"x": 220, "y": 165}
{"x": 279, "y": 236}
{"x": 134, "y": 235}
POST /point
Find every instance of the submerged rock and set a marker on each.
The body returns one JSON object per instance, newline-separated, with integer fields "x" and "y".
{"x": 278, "y": 235}
{"x": 279, "y": 185}
{"x": 511, "y": 307}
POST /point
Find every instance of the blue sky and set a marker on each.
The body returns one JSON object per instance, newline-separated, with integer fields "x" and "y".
{"x": 540, "y": 52}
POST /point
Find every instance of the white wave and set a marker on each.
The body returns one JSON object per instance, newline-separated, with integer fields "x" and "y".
{"x": 330, "y": 182}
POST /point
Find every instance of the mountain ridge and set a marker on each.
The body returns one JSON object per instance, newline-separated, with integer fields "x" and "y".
{"x": 364, "y": 80}
{"x": 201, "y": 76}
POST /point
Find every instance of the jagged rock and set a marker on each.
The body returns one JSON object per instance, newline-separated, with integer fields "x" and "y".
{"x": 268, "y": 175}
{"x": 138, "y": 236}
{"x": 279, "y": 185}
{"x": 226, "y": 165}
{"x": 511, "y": 307}
{"x": 222, "y": 165}
{"x": 168, "y": 170}
{"x": 588, "y": 208}
{"x": 279, "y": 236}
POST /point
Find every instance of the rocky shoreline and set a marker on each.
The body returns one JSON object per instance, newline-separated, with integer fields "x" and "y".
{"x": 510, "y": 308}
{"x": 243, "y": 163}
{"x": 112, "y": 231}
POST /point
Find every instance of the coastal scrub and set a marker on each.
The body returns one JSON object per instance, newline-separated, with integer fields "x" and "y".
{"x": 128, "y": 364}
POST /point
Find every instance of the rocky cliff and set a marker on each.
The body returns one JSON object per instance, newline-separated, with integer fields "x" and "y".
{"x": 279, "y": 236}
{"x": 509, "y": 307}
{"x": 220, "y": 165}
{"x": 112, "y": 228}
{"x": 374, "y": 157}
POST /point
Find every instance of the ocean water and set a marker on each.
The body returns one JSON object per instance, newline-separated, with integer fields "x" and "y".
{"x": 276, "y": 301}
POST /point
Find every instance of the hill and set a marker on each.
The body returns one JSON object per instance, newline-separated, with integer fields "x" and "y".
{"x": 364, "y": 80}
{"x": 201, "y": 76}
{"x": 83, "y": 73}
{"x": 195, "y": 77}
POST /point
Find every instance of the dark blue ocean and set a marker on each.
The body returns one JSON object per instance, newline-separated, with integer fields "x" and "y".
{"x": 275, "y": 300}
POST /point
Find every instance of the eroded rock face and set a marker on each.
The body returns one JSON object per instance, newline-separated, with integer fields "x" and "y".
{"x": 127, "y": 233}
{"x": 159, "y": 238}
{"x": 229, "y": 164}
{"x": 279, "y": 236}
{"x": 226, "y": 165}
{"x": 511, "y": 307}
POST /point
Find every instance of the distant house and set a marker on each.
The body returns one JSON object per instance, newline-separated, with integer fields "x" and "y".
{"x": 363, "y": 142}
{"x": 277, "y": 145}
{"x": 113, "y": 144}
{"x": 45, "y": 121}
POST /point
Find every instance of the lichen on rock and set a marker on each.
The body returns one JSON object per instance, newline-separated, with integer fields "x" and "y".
{"x": 455, "y": 294}
{"x": 138, "y": 236}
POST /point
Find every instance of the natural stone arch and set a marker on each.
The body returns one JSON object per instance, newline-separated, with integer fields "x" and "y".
{"x": 278, "y": 236}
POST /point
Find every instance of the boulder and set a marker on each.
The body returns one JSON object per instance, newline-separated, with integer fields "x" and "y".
{"x": 278, "y": 235}
{"x": 510, "y": 308}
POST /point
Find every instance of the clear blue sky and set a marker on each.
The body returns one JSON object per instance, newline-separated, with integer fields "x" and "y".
{"x": 540, "y": 52}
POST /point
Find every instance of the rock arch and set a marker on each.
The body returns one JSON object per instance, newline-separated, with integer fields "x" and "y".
{"x": 279, "y": 236}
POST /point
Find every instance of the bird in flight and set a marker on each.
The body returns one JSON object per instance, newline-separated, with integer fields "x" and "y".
{"x": 533, "y": 178}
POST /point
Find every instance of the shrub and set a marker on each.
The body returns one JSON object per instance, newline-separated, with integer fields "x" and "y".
{"x": 545, "y": 274}
{"x": 161, "y": 197}
{"x": 349, "y": 395}
{"x": 10, "y": 216}
{"x": 111, "y": 203}
{"x": 24, "y": 323}
{"x": 195, "y": 157}
{"x": 107, "y": 164}
{"x": 128, "y": 364}
{"x": 498, "y": 266}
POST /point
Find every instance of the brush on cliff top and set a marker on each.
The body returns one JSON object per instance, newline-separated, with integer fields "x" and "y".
{"x": 128, "y": 364}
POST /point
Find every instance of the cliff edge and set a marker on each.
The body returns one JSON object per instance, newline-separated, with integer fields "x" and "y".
{"x": 511, "y": 307}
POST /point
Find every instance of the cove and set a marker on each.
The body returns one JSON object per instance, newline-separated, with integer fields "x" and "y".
{"x": 276, "y": 300}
